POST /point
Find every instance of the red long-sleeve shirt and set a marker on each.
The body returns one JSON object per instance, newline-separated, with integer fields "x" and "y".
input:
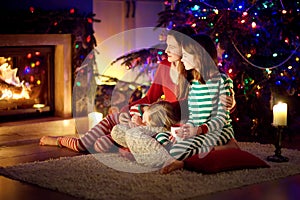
{"x": 163, "y": 85}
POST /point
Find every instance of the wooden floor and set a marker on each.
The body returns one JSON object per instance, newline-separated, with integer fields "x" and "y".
{"x": 19, "y": 144}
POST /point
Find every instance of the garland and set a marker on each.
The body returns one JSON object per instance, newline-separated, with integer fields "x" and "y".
{"x": 37, "y": 21}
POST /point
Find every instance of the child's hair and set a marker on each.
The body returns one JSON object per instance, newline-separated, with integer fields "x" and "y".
{"x": 161, "y": 114}
{"x": 204, "y": 49}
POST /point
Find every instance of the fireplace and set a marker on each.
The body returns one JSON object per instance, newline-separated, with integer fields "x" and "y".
{"x": 35, "y": 76}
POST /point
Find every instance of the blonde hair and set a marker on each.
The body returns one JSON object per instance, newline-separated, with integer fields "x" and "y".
{"x": 181, "y": 89}
{"x": 161, "y": 114}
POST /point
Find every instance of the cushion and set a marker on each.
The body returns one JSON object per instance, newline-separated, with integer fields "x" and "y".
{"x": 224, "y": 160}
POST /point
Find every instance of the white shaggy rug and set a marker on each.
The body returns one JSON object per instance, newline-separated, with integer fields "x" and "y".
{"x": 87, "y": 178}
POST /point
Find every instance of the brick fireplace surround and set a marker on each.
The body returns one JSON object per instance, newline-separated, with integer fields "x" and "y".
{"x": 62, "y": 65}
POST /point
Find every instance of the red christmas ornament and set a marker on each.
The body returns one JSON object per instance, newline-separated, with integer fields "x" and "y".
{"x": 90, "y": 20}
{"x": 72, "y": 10}
{"x": 29, "y": 55}
{"x": 88, "y": 38}
{"x": 31, "y": 9}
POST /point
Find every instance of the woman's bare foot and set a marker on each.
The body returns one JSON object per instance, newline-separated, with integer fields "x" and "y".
{"x": 48, "y": 141}
{"x": 175, "y": 165}
{"x": 126, "y": 154}
{"x": 232, "y": 144}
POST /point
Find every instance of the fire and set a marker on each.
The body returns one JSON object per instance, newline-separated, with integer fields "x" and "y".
{"x": 9, "y": 75}
{"x": 11, "y": 86}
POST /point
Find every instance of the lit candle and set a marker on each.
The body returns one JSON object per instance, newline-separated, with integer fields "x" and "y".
{"x": 280, "y": 114}
{"x": 94, "y": 118}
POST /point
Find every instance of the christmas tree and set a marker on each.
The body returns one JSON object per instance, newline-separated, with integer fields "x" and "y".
{"x": 258, "y": 43}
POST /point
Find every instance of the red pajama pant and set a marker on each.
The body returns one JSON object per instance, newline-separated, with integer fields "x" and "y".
{"x": 97, "y": 139}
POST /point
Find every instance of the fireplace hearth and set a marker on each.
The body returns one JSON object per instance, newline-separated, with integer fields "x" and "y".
{"x": 35, "y": 76}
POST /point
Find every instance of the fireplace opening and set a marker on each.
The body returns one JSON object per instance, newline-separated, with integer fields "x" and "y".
{"x": 26, "y": 82}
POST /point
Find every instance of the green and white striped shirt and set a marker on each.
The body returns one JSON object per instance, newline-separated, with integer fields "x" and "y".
{"x": 205, "y": 106}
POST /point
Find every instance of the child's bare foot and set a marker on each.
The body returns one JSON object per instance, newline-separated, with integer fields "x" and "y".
{"x": 175, "y": 165}
{"x": 49, "y": 141}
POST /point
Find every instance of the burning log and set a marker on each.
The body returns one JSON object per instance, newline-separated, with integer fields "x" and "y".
{"x": 13, "y": 93}
{"x": 13, "y": 104}
{"x": 6, "y": 86}
{"x": 10, "y": 84}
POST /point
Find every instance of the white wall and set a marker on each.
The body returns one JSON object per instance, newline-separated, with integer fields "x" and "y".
{"x": 113, "y": 41}
{"x": 113, "y": 16}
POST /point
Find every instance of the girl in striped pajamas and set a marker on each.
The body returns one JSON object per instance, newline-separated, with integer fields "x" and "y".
{"x": 209, "y": 125}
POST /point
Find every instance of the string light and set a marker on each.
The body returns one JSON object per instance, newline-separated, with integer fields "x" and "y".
{"x": 88, "y": 38}
{"x": 31, "y": 78}
{"x": 195, "y": 8}
{"x": 268, "y": 71}
{"x": 27, "y": 70}
{"x": 31, "y": 9}
{"x": 90, "y": 20}
{"x": 72, "y": 11}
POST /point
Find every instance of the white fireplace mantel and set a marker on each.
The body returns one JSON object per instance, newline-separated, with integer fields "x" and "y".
{"x": 62, "y": 64}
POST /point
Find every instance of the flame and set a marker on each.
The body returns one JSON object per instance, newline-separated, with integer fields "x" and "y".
{"x": 9, "y": 76}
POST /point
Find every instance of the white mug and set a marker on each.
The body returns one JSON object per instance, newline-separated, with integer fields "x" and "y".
{"x": 173, "y": 129}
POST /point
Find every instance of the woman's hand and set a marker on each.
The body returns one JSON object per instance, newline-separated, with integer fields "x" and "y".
{"x": 124, "y": 118}
{"x": 137, "y": 120}
{"x": 186, "y": 131}
{"x": 228, "y": 101}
